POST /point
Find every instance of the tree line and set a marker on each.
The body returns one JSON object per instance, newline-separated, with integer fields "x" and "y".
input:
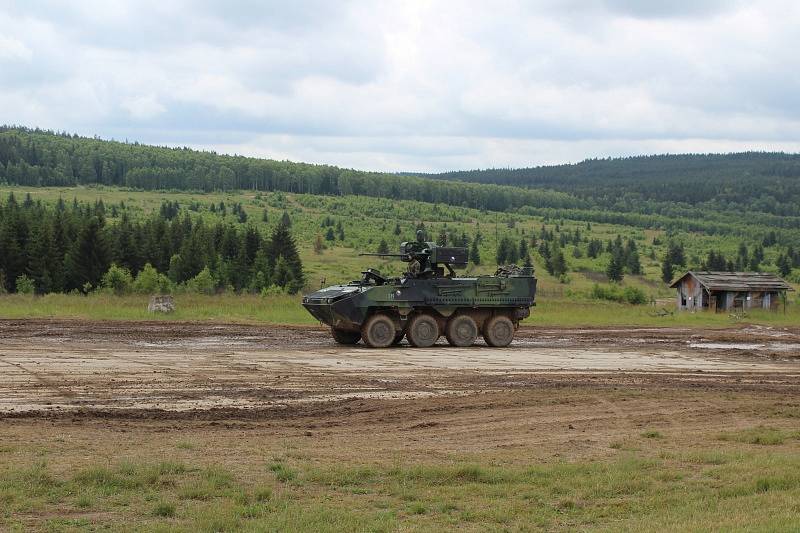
{"x": 738, "y": 194}
{"x": 73, "y": 247}
{"x": 36, "y": 157}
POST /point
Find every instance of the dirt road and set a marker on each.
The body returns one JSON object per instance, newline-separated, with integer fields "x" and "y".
{"x": 54, "y": 368}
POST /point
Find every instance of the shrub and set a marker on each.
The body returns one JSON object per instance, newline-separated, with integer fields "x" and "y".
{"x": 634, "y": 295}
{"x": 273, "y": 290}
{"x": 117, "y": 280}
{"x": 614, "y": 293}
{"x": 150, "y": 281}
{"x": 25, "y": 285}
{"x": 203, "y": 282}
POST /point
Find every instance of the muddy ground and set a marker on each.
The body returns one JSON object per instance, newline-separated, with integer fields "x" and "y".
{"x": 81, "y": 391}
{"x": 78, "y": 395}
{"x": 157, "y": 370}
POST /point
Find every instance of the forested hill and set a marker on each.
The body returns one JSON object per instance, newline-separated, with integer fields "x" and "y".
{"x": 768, "y": 182}
{"x": 711, "y": 193}
{"x": 44, "y": 158}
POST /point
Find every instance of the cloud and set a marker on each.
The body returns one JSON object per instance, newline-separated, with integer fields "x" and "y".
{"x": 409, "y": 85}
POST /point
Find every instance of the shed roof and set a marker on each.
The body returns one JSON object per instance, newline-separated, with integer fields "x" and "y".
{"x": 737, "y": 281}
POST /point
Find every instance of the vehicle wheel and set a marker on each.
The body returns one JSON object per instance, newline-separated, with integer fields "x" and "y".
{"x": 423, "y": 331}
{"x": 498, "y": 331}
{"x": 462, "y": 331}
{"x": 345, "y": 337}
{"x": 378, "y": 331}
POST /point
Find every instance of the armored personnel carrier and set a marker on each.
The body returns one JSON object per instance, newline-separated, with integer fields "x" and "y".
{"x": 427, "y": 301}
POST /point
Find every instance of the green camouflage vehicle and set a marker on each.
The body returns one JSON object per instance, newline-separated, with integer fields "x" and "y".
{"x": 427, "y": 301}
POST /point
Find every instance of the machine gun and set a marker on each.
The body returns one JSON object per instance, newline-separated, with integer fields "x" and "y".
{"x": 427, "y": 259}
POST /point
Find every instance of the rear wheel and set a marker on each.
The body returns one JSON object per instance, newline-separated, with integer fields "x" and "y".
{"x": 378, "y": 331}
{"x": 345, "y": 337}
{"x": 498, "y": 331}
{"x": 423, "y": 331}
{"x": 462, "y": 331}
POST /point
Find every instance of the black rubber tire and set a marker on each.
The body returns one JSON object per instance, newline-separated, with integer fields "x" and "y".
{"x": 498, "y": 331}
{"x": 461, "y": 331}
{"x": 378, "y": 331}
{"x": 345, "y": 337}
{"x": 423, "y": 331}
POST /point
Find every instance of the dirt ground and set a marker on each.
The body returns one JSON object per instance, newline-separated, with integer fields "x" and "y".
{"x": 130, "y": 370}
{"x": 137, "y": 378}
{"x": 78, "y": 394}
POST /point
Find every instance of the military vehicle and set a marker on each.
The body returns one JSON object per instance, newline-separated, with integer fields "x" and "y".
{"x": 427, "y": 301}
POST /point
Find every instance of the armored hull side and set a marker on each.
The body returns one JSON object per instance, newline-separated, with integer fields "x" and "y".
{"x": 425, "y": 308}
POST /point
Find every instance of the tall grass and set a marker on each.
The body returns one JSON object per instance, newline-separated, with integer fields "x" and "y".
{"x": 286, "y": 309}
{"x": 278, "y": 309}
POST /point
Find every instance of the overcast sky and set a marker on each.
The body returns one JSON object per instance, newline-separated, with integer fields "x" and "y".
{"x": 407, "y": 85}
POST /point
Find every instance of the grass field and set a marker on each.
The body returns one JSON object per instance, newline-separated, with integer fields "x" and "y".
{"x": 211, "y": 480}
{"x": 285, "y": 309}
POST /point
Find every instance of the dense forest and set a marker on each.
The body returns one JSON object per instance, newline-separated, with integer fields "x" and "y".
{"x": 42, "y": 158}
{"x": 748, "y": 196}
{"x": 75, "y": 247}
{"x": 736, "y": 194}
{"x": 750, "y": 181}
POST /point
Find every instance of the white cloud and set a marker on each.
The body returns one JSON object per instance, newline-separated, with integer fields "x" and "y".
{"x": 410, "y": 85}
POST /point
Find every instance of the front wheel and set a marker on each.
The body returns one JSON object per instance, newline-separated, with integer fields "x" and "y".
{"x": 498, "y": 331}
{"x": 423, "y": 331}
{"x": 345, "y": 337}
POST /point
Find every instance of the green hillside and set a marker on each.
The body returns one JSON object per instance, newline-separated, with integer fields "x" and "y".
{"x": 205, "y": 210}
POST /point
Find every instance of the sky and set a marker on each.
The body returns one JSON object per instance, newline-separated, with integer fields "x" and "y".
{"x": 409, "y": 85}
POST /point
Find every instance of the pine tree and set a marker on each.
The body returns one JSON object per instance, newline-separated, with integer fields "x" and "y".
{"x": 667, "y": 270}
{"x": 523, "y": 249}
{"x": 89, "y": 257}
{"x": 383, "y": 247}
{"x": 784, "y": 265}
{"x": 282, "y": 245}
{"x": 474, "y": 253}
{"x": 615, "y": 270}
{"x": 632, "y": 263}
{"x": 676, "y": 254}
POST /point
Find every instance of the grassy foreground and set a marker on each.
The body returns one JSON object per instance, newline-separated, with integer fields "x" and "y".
{"x": 284, "y": 309}
{"x": 741, "y": 479}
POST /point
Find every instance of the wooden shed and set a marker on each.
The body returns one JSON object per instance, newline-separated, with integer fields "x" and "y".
{"x": 724, "y": 291}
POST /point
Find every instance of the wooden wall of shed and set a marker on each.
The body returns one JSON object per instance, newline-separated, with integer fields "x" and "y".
{"x": 690, "y": 294}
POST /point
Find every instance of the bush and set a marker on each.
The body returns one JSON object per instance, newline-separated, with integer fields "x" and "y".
{"x": 273, "y": 290}
{"x": 614, "y": 293}
{"x": 117, "y": 280}
{"x": 203, "y": 282}
{"x": 151, "y": 281}
{"x": 25, "y": 285}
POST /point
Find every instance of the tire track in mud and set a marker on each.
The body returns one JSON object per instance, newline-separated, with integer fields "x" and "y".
{"x": 201, "y": 371}
{"x": 62, "y": 391}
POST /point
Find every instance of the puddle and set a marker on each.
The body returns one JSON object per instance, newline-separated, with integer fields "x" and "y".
{"x": 773, "y": 346}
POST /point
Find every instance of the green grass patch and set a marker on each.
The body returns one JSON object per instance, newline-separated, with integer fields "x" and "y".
{"x": 762, "y": 435}
{"x": 696, "y": 489}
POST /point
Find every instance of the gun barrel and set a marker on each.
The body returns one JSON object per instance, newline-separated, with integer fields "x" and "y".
{"x": 384, "y": 255}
